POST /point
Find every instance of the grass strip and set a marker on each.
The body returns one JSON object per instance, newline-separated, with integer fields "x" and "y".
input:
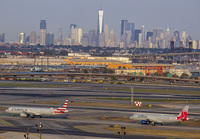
{"x": 158, "y": 91}
{"x": 100, "y": 104}
{"x": 32, "y": 84}
{"x": 154, "y": 132}
{"x": 153, "y": 100}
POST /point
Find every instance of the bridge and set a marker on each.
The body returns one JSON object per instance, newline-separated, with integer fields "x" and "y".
{"x": 185, "y": 58}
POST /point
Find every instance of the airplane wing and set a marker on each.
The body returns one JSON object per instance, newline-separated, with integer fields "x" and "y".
{"x": 31, "y": 113}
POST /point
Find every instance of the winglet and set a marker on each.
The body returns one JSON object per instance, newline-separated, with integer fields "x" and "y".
{"x": 183, "y": 114}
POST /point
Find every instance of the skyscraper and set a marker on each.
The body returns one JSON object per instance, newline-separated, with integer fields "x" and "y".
{"x": 149, "y": 34}
{"x": 131, "y": 28}
{"x": 136, "y": 35}
{"x": 50, "y": 39}
{"x": 106, "y": 34}
{"x": 43, "y": 32}
{"x": 100, "y": 25}
{"x": 73, "y": 33}
{"x": 60, "y": 35}
{"x": 156, "y": 35}
{"x": 176, "y": 38}
{"x": 127, "y": 32}
{"x": 32, "y": 38}
{"x": 123, "y": 27}
{"x": 79, "y": 35}
{"x": 183, "y": 40}
{"x": 2, "y": 37}
{"x": 143, "y": 33}
{"x": 21, "y": 38}
{"x": 167, "y": 38}
{"x": 92, "y": 38}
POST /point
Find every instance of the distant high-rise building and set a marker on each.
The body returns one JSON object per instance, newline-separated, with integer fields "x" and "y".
{"x": 50, "y": 39}
{"x": 79, "y": 35}
{"x": 102, "y": 39}
{"x": 43, "y": 32}
{"x": 198, "y": 44}
{"x": 32, "y": 38}
{"x": 194, "y": 43}
{"x": 176, "y": 38}
{"x": 92, "y": 38}
{"x": 106, "y": 34}
{"x": 156, "y": 35}
{"x": 167, "y": 38}
{"x": 2, "y": 37}
{"x": 127, "y": 32}
{"x": 149, "y": 34}
{"x": 188, "y": 39}
{"x": 21, "y": 38}
{"x": 60, "y": 35}
{"x": 85, "y": 40}
{"x": 112, "y": 35}
{"x": 140, "y": 40}
{"x": 100, "y": 25}
{"x": 143, "y": 33}
{"x": 73, "y": 33}
{"x": 183, "y": 39}
{"x": 123, "y": 27}
{"x": 131, "y": 28}
{"x": 136, "y": 35}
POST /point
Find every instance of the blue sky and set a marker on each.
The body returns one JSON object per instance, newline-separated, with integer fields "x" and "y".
{"x": 24, "y": 15}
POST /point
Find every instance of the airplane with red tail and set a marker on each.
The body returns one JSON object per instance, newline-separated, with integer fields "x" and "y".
{"x": 161, "y": 118}
{"x": 34, "y": 111}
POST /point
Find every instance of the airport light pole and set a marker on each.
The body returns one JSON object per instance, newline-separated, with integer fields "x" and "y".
{"x": 122, "y": 133}
{"x": 26, "y": 135}
{"x": 40, "y": 129}
{"x": 132, "y": 90}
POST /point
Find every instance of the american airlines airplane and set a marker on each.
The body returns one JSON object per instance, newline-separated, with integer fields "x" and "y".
{"x": 160, "y": 118}
{"x": 34, "y": 111}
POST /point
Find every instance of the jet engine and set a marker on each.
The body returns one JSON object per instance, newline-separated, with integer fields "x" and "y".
{"x": 145, "y": 122}
{"x": 24, "y": 115}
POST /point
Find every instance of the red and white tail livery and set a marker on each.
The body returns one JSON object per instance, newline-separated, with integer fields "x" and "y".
{"x": 183, "y": 114}
{"x": 62, "y": 108}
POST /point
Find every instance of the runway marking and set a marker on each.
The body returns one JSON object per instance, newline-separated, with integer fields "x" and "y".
{"x": 6, "y": 122}
{"x": 57, "y": 130}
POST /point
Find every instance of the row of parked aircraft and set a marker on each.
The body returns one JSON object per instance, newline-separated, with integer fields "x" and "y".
{"x": 142, "y": 117}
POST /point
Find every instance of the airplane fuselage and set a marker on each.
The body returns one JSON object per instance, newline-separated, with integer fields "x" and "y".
{"x": 157, "y": 118}
{"x": 34, "y": 111}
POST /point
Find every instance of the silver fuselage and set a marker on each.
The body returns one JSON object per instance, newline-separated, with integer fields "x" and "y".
{"x": 157, "y": 118}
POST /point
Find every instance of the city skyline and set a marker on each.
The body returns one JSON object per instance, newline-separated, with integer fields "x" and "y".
{"x": 85, "y": 16}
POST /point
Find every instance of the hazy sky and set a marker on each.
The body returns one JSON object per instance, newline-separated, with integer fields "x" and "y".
{"x": 24, "y": 15}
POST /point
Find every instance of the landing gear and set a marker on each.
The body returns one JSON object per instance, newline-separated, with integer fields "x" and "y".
{"x": 32, "y": 116}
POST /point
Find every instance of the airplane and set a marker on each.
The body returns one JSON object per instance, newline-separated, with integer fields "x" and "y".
{"x": 34, "y": 111}
{"x": 160, "y": 118}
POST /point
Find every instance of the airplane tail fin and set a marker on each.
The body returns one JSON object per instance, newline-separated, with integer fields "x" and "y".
{"x": 63, "y": 106}
{"x": 183, "y": 114}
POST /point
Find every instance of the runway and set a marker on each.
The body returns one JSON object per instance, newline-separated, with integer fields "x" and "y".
{"x": 86, "y": 116}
